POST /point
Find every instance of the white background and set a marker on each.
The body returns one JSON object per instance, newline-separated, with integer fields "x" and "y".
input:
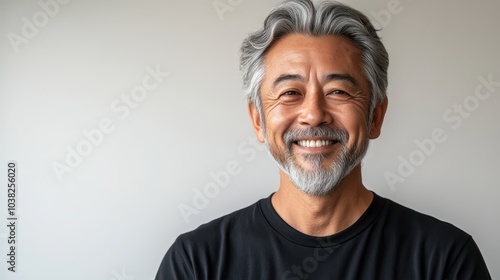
{"x": 115, "y": 215}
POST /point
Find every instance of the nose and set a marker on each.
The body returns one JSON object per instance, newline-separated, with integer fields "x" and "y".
{"x": 314, "y": 111}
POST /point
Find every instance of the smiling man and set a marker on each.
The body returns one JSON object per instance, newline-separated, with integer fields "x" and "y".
{"x": 316, "y": 79}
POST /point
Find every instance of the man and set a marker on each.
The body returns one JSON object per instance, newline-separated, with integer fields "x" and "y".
{"x": 317, "y": 78}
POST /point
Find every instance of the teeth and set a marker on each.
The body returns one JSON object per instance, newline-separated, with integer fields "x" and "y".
{"x": 314, "y": 143}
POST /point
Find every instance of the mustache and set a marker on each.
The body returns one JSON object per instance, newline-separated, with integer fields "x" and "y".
{"x": 324, "y": 132}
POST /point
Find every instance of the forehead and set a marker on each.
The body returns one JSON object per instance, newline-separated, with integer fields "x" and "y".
{"x": 321, "y": 54}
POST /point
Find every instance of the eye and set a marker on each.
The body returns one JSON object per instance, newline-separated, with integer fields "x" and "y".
{"x": 339, "y": 92}
{"x": 290, "y": 93}
{"x": 290, "y": 96}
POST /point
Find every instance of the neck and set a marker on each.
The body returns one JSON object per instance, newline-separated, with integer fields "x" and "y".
{"x": 322, "y": 215}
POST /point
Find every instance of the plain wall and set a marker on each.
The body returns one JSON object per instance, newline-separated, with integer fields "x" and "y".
{"x": 114, "y": 213}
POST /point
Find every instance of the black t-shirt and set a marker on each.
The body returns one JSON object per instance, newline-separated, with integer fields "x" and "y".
{"x": 389, "y": 241}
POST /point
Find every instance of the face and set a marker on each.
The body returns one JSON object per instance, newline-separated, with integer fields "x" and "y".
{"x": 315, "y": 110}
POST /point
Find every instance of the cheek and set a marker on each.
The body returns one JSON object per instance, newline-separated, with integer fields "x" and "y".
{"x": 278, "y": 121}
{"x": 354, "y": 121}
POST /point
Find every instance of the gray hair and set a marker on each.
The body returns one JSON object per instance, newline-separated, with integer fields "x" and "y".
{"x": 328, "y": 18}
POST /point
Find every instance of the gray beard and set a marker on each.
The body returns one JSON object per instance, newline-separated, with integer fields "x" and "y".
{"x": 318, "y": 181}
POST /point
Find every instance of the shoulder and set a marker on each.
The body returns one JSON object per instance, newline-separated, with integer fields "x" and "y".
{"x": 444, "y": 246}
{"x": 420, "y": 224}
{"x": 227, "y": 222}
{"x": 421, "y": 234}
{"x": 427, "y": 237}
{"x": 213, "y": 233}
{"x": 197, "y": 252}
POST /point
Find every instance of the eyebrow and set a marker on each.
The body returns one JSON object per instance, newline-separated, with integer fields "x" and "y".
{"x": 342, "y": 77}
{"x": 329, "y": 77}
{"x": 287, "y": 77}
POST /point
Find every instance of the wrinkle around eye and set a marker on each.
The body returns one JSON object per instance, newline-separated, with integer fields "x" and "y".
{"x": 270, "y": 104}
{"x": 290, "y": 99}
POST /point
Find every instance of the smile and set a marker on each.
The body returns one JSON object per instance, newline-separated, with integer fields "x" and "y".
{"x": 315, "y": 143}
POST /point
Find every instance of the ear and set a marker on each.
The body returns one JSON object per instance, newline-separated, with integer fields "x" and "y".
{"x": 378, "y": 118}
{"x": 256, "y": 121}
